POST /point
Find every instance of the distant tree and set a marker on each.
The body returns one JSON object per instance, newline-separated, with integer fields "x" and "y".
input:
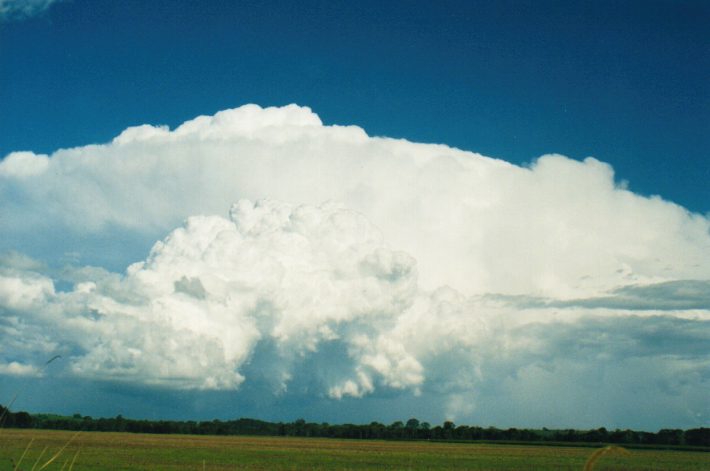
{"x": 3, "y": 415}
{"x": 299, "y": 427}
{"x": 396, "y": 429}
{"x": 698, "y": 436}
{"x": 602, "y": 434}
{"x": 476, "y": 433}
{"x": 22, "y": 420}
{"x": 448, "y": 429}
{"x": 412, "y": 428}
{"x": 462, "y": 432}
{"x": 670, "y": 436}
{"x": 377, "y": 430}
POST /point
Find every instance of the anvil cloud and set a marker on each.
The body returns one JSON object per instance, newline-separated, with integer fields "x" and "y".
{"x": 352, "y": 266}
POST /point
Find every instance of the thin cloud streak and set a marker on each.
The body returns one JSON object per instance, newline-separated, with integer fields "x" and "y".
{"x": 21, "y": 9}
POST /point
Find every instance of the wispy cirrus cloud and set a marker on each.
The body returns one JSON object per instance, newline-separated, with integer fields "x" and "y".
{"x": 19, "y": 9}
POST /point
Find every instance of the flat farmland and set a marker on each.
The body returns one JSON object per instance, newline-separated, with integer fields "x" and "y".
{"x": 124, "y": 451}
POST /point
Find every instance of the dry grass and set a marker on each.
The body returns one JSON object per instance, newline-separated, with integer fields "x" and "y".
{"x": 124, "y": 451}
{"x": 39, "y": 465}
{"x": 596, "y": 456}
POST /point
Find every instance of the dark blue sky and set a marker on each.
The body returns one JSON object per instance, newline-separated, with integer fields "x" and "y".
{"x": 626, "y": 82}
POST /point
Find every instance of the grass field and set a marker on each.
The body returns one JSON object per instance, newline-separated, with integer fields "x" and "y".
{"x": 123, "y": 451}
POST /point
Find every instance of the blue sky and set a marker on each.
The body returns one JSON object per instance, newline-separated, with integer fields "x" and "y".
{"x": 488, "y": 212}
{"x": 625, "y": 82}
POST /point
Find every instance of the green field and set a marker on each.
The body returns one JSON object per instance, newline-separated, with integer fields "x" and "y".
{"x": 117, "y": 451}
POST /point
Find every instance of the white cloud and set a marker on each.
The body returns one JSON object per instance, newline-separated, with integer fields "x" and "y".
{"x": 372, "y": 265}
{"x": 18, "y": 9}
{"x": 559, "y": 228}
{"x": 23, "y": 164}
{"x": 313, "y": 295}
{"x": 191, "y": 314}
{"x": 18, "y": 369}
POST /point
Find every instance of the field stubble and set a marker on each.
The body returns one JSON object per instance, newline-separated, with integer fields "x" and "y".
{"x": 124, "y": 451}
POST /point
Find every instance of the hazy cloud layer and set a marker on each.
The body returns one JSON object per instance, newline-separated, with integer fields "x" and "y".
{"x": 353, "y": 267}
{"x": 18, "y": 9}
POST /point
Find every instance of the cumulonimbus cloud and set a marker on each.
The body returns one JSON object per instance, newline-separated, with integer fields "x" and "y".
{"x": 191, "y": 315}
{"x": 559, "y": 227}
{"x": 362, "y": 264}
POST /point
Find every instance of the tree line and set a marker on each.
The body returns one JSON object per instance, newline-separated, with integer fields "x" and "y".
{"x": 413, "y": 429}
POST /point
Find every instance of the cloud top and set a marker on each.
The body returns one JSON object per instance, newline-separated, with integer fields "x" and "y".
{"x": 559, "y": 227}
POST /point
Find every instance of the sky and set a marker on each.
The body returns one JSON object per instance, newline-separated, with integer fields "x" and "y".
{"x": 495, "y": 213}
